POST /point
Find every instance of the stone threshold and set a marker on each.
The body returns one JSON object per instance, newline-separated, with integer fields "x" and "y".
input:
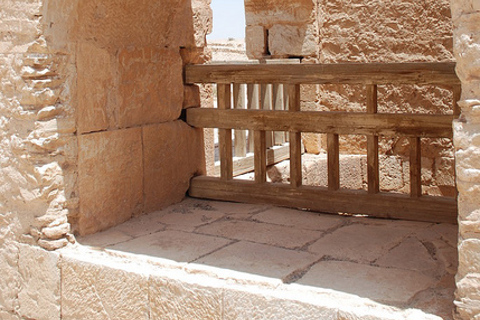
{"x": 216, "y": 260}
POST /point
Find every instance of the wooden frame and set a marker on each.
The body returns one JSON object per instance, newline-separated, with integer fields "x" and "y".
{"x": 265, "y": 119}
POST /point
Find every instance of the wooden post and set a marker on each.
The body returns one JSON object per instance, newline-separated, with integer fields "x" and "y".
{"x": 333, "y": 162}
{"x": 295, "y": 139}
{"x": 253, "y": 103}
{"x": 240, "y": 135}
{"x": 225, "y": 135}
{"x": 372, "y": 144}
{"x": 415, "y": 167}
{"x": 278, "y": 104}
{"x": 266, "y": 101}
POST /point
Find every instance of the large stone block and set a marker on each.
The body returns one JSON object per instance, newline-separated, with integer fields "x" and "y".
{"x": 288, "y": 40}
{"x": 180, "y": 299}
{"x": 39, "y": 296}
{"x": 96, "y": 291}
{"x": 256, "y": 45}
{"x": 110, "y": 178}
{"x": 173, "y": 155}
{"x": 268, "y": 12}
{"x": 469, "y": 257}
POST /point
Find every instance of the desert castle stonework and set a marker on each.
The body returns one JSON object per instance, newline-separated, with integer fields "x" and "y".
{"x": 92, "y": 131}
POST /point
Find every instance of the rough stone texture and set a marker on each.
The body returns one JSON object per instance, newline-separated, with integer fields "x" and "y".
{"x": 179, "y": 299}
{"x": 466, "y": 18}
{"x": 98, "y": 291}
{"x": 39, "y": 295}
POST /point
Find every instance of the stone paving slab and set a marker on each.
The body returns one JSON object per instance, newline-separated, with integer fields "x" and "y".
{"x": 254, "y": 258}
{"x": 399, "y": 263}
{"x": 386, "y": 285}
{"x": 173, "y": 245}
{"x": 359, "y": 242}
{"x": 270, "y": 234}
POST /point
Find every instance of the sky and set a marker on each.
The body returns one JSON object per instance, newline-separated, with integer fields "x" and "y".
{"x": 228, "y": 19}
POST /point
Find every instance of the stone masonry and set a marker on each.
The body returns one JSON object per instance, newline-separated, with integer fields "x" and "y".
{"x": 91, "y": 134}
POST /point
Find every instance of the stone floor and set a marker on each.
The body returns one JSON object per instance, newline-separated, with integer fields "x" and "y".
{"x": 396, "y": 263}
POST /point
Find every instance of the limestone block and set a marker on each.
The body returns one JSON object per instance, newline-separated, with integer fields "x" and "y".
{"x": 96, "y": 291}
{"x": 5, "y": 315}
{"x": 279, "y": 11}
{"x": 444, "y": 174}
{"x": 192, "y": 96}
{"x": 151, "y": 86}
{"x": 467, "y": 296}
{"x": 10, "y": 279}
{"x": 95, "y": 88}
{"x": 39, "y": 296}
{"x": 469, "y": 257}
{"x": 391, "y": 173}
{"x": 256, "y": 42}
{"x": 256, "y": 304}
{"x": 110, "y": 179}
{"x": 312, "y": 142}
{"x": 173, "y": 154}
{"x": 467, "y": 39}
{"x": 288, "y": 40}
{"x": 179, "y": 299}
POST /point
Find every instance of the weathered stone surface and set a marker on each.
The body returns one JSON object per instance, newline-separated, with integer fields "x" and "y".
{"x": 287, "y": 41}
{"x": 299, "y": 219}
{"x": 189, "y": 221}
{"x": 39, "y": 296}
{"x": 173, "y": 153}
{"x": 110, "y": 178}
{"x": 10, "y": 277}
{"x": 105, "y": 238}
{"x": 98, "y": 291}
{"x": 253, "y": 258}
{"x": 256, "y": 47}
{"x": 178, "y": 299}
{"x": 261, "y": 233}
{"x": 359, "y": 242}
{"x": 173, "y": 245}
{"x": 392, "y": 285}
{"x": 267, "y": 12}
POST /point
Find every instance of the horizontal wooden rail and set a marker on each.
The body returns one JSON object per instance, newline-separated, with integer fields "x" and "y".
{"x": 414, "y": 125}
{"x": 442, "y": 73}
{"x": 384, "y": 205}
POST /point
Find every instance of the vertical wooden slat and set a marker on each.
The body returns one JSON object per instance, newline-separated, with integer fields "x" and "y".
{"x": 415, "y": 167}
{"x": 240, "y": 144}
{"x": 266, "y": 101}
{"x": 278, "y": 104}
{"x": 457, "y": 95}
{"x": 333, "y": 162}
{"x": 295, "y": 139}
{"x": 372, "y": 144}
{"x": 260, "y": 157}
{"x": 253, "y": 103}
{"x": 286, "y": 104}
{"x": 225, "y": 135}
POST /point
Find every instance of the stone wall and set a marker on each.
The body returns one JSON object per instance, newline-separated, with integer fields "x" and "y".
{"x": 466, "y": 19}
{"x": 91, "y": 130}
{"x": 363, "y": 31}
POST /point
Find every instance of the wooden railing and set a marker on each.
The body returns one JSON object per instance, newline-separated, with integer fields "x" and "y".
{"x": 331, "y": 199}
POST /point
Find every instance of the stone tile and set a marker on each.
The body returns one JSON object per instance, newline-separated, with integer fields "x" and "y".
{"x": 142, "y": 225}
{"x": 237, "y": 208}
{"x": 448, "y": 232}
{"x": 179, "y": 299}
{"x": 259, "y": 259}
{"x": 170, "y": 163}
{"x": 39, "y": 296}
{"x": 110, "y": 182}
{"x": 411, "y": 254}
{"x": 173, "y": 245}
{"x": 105, "y": 238}
{"x": 359, "y": 242}
{"x": 96, "y": 291}
{"x": 380, "y": 284}
{"x": 270, "y": 234}
{"x": 299, "y": 219}
{"x": 189, "y": 220}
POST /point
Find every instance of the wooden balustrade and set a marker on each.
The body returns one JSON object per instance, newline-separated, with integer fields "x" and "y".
{"x": 272, "y": 109}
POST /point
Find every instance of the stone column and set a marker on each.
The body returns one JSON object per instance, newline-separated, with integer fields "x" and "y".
{"x": 466, "y": 19}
